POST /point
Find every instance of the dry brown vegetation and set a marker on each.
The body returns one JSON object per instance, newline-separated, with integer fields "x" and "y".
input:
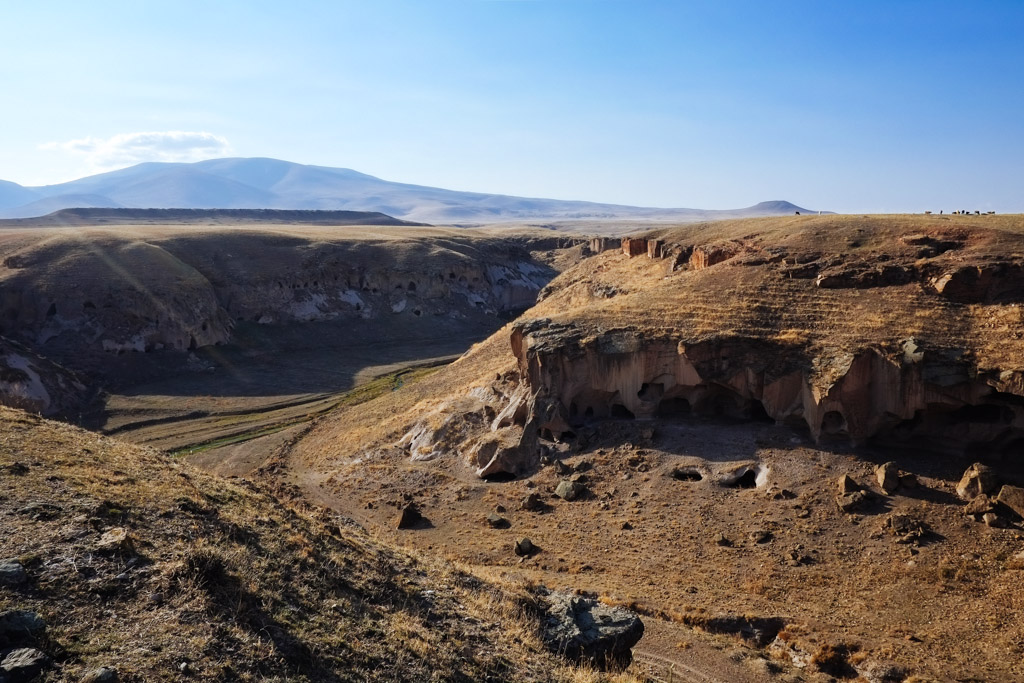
{"x": 221, "y": 581}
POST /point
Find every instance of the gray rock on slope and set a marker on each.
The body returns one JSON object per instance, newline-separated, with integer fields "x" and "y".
{"x": 583, "y": 629}
{"x": 23, "y": 664}
{"x": 20, "y": 626}
{"x": 12, "y": 573}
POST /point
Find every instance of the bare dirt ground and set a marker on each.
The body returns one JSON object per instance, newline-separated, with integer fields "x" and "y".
{"x": 686, "y": 554}
{"x": 268, "y": 379}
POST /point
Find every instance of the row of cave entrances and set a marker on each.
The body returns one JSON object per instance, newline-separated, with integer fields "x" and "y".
{"x": 988, "y": 430}
{"x": 710, "y": 400}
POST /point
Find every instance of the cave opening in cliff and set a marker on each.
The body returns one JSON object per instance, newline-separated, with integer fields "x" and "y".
{"x": 981, "y": 431}
{"x": 651, "y": 392}
{"x": 756, "y": 412}
{"x": 687, "y": 474}
{"x": 747, "y": 480}
{"x": 833, "y": 423}
{"x": 621, "y": 412}
{"x": 720, "y": 402}
{"x": 673, "y": 407}
{"x": 984, "y": 413}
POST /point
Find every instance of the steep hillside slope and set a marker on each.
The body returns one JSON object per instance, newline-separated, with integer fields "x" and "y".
{"x": 159, "y": 572}
{"x": 692, "y": 423}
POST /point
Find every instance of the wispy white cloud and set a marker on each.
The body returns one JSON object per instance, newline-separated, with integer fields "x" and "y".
{"x": 126, "y": 149}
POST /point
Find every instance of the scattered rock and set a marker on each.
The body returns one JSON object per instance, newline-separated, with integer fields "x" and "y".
{"x": 979, "y": 505}
{"x": 116, "y": 541}
{"x": 1013, "y": 498}
{"x": 905, "y": 528}
{"x": 722, "y": 540}
{"x": 532, "y": 503}
{"x": 760, "y": 536}
{"x": 847, "y": 485}
{"x": 908, "y": 480}
{"x": 24, "y": 664}
{"x": 796, "y": 557}
{"x": 20, "y": 626}
{"x": 883, "y": 672}
{"x": 525, "y": 548}
{"x": 409, "y": 517}
{"x": 12, "y": 573}
{"x": 562, "y": 469}
{"x": 978, "y": 479}
{"x": 993, "y": 520}
{"x": 776, "y": 493}
{"x": 41, "y": 512}
{"x": 583, "y": 466}
{"x": 569, "y": 490}
{"x": 104, "y": 674}
{"x": 496, "y": 521}
{"x": 583, "y": 629}
{"x": 499, "y": 508}
{"x": 888, "y": 476}
{"x": 626, "y": 526}
{"x": 851, "y": 502}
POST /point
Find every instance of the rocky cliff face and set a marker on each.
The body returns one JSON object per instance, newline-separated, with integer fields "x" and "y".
{"x": 109, "y": 292}
{"x": 879, "y": 332}
{"x": 903, "y": 391}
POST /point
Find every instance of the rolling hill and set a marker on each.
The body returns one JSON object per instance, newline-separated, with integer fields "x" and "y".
{"x": 272, "y": 184}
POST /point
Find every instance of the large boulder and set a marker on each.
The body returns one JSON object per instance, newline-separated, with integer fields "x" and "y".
{"x": 978, "y": 479}
{"x": 569, "y": 490}
{"x": 19, "y": 626}
{"x": 583, "y": 629}
{"x": 888, "y": 477}
{"x": 12, "y": 573}
{"x": 1013, "y": 498}
{"x": 23, "y": 664}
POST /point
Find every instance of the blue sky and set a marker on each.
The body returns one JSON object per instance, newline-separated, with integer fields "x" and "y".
{"x": 896, "y": 105}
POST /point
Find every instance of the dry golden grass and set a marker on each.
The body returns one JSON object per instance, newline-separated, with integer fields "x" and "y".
{"x": 234, "y": 582}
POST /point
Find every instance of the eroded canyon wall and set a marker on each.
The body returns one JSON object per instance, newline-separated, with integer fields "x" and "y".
{"x": 901, "y": 391}
{"x": 102, "y": 292}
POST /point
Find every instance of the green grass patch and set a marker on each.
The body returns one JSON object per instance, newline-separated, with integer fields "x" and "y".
{"x": 375, "y": 388}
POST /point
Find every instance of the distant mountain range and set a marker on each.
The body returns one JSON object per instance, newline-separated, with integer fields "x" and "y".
{"x": 273, "y": 184}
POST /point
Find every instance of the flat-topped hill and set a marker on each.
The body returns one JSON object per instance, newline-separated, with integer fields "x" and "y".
{"x": 103, "y": 216}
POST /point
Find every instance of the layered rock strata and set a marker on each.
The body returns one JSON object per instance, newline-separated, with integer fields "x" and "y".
{"x": 623, "y": 373}
{"x": 107, "y": 293}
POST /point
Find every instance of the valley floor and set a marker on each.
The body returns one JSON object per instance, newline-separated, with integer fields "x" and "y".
{"x": 711, "y": 564}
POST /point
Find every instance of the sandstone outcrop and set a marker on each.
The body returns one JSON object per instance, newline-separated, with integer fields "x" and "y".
{"x": 625, "y": 373}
